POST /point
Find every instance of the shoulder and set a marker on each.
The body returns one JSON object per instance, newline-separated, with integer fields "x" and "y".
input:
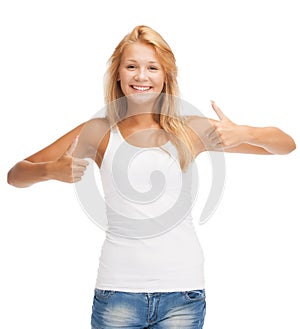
{"x": 198, "y": 121}
{"x": 198, "y": 128}
{"x": 94, "y": 129}
{"x": 199, "y": 125}
{"x": 96, "y": 123}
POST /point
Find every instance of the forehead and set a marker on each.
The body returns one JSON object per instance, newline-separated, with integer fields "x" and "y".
{"x": 140, "y": 52}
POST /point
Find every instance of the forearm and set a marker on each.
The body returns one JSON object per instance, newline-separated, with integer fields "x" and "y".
{"x": 26, "y": 173}
{"x": 272, "y": 139}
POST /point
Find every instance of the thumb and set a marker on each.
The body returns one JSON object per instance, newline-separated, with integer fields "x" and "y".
{"x": 72, "y": 146}
{"x": 218, "y": 111}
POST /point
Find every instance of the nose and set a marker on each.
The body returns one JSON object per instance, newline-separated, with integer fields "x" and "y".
{"x": 141, "y": 75}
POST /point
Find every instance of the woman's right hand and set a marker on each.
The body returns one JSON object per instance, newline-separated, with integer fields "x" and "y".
{"x": 67, "y": 168}
{"x": 56, "y": 161}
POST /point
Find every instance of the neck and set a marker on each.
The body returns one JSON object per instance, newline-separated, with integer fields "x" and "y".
{"x": 141, "y": 120}
{"x": 140, "y": 115}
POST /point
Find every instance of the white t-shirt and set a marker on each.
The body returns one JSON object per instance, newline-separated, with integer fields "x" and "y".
{"x": 151, "y": 244}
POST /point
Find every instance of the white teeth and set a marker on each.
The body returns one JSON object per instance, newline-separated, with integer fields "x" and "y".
{"x": 139, "y": 88}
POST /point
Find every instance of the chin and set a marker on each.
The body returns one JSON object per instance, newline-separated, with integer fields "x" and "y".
{"x": 143, "y": 98}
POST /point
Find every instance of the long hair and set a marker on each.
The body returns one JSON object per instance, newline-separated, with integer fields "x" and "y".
{"x": 168, "y": 117}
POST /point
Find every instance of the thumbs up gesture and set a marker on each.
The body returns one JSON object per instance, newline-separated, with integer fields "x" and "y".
{"x": 224, "y": 133}
{"x": 68, "y": 168}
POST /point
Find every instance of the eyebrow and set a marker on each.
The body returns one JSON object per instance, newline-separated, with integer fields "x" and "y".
{"x": 133, "y": 60}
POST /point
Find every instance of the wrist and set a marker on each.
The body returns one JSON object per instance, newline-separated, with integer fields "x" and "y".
{"x": 48, "y": 170}
{"x": 248, "y": 134}
{"x": 258, "y": 136}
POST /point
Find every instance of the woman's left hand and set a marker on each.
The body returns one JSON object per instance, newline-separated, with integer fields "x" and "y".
{"x": 224, "y": 133}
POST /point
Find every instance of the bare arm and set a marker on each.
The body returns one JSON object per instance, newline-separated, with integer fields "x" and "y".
{"x": 53, "y": 162}
{"x": 266, "y": 140}
{"x": 224, "y": 135}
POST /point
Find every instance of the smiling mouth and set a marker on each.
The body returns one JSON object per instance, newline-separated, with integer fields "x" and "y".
{"x": 141, "y": 88}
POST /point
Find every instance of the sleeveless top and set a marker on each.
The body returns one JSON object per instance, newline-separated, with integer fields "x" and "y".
{"x": 151, "y": 244}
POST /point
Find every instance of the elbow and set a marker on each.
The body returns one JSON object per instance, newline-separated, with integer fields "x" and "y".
{"x": 288, "y": 144}
{"x": 13, "y": 181}
{"x": 10, "y": 179}
{"x": 293, "y": 146}
{"x": 290, "y": 147}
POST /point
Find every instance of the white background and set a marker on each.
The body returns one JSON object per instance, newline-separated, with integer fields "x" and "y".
{"x": 245, "y": 56}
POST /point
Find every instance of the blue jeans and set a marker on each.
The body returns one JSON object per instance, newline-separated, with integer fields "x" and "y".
{"x": 158, "y": 310}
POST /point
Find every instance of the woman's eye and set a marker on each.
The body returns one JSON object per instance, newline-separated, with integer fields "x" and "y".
{"x": 153, "y": 68}
{"x": 130, "y": 67}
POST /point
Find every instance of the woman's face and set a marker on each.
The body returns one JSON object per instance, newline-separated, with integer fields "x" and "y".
{"x": 140, "y": 72}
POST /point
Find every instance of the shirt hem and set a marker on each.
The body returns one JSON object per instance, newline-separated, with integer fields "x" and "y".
{"x": 151, "y": 290}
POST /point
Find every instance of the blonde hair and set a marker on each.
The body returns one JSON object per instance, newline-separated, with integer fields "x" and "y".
{"x": 168, "y": 118}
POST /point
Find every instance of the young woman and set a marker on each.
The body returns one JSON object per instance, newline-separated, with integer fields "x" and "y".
{"x": 151, "y": 265}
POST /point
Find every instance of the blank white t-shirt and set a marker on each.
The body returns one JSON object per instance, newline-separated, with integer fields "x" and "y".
{"x": 151, "y": 244}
